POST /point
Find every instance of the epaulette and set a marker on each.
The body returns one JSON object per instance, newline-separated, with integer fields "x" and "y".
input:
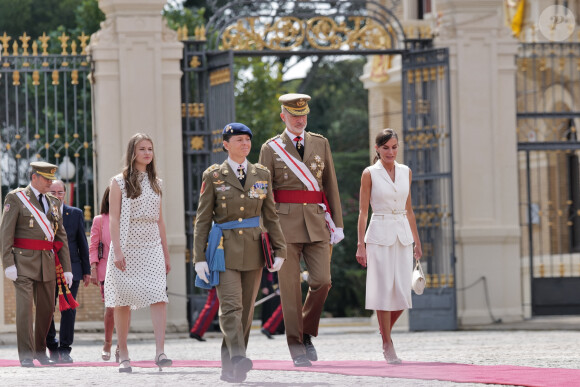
{"x": 213, "y": 168}
{"x": 273, "y": 138}
{"x": 316, "y": 134}
{"x": 17, "y": 190}
{"x": 260, "y": 166}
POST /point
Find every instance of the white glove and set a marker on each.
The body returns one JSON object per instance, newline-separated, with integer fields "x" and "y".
{"x": 337, "y": 236}
{"x": 68, "y": 277}
{"x": 202, "y": 270}
{"x": 277, "y": 264}
{"x": 11, "y": 273}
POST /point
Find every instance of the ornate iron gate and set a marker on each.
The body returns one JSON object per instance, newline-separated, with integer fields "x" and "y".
{"x": 207, "y": 105}
{"x": 45, "y": 113}
{"x": 548, "y": 115}
{"x": 427, "y": 149}
{"x": 285, "y": 28}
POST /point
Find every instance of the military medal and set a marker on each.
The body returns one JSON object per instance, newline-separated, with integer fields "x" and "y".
{"x": 258, "y": 190}
{"x": 31, "y": 223}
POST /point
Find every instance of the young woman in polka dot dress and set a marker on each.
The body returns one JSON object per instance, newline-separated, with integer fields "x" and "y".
{"x": 139, "y": 258}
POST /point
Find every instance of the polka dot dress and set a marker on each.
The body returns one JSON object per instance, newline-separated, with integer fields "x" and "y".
{"x": 143, "y": 282}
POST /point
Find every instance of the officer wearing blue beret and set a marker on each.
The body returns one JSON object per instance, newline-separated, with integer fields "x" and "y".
{"x": 235, "y": 196}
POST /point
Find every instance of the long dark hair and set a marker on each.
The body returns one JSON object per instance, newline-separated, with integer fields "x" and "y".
{"x": 105, "y": 201}
{"x": 382, "y": 138}
{"x": 131, "y": 174}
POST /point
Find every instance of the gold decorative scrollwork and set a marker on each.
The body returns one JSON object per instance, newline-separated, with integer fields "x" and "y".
{"x": 220, "y": 76}
{"x": 196, "y": 143}
{"x": 87, "y": 213}
{"x": 321, "y": 32}
{"x": 194, "y": 62}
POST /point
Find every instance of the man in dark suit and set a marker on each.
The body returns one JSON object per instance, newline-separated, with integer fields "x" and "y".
{"x": 74, "y": 226}
{"x": 30, "y": 233}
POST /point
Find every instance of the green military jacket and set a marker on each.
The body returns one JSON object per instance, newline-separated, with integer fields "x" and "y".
{"x": 17, "y": 222}
{"x": 223, "y": 199}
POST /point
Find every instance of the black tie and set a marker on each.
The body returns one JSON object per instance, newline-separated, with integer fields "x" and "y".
{"x": 241, "y": 175}
{"x": 41, "y": 203}
{"x": 299, "y": 146}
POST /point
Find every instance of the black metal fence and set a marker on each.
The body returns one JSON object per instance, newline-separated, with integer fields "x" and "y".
{"x": 45, "y": 112}
{"x": 427, "y": 149}
{"x": 548, "y": 115}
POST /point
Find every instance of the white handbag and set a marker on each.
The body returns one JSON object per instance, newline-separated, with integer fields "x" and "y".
{"x": 418, "y": 279}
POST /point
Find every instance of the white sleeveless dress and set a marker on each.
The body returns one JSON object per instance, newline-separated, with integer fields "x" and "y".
{"x": 389, "y": 241}
{"x": 144, "y": 281}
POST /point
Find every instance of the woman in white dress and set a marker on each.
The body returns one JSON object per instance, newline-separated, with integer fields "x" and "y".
{"x": 139, "y": 257}
{"x": 387, "y": 248}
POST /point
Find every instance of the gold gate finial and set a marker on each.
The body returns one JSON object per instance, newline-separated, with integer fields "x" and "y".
{"x": 24, "y": 39}
{"x": 5, "y": 39}
{"x": 44, "y": 43}
{"x": 63, "y": 43}
{"x": 83, "y": 39}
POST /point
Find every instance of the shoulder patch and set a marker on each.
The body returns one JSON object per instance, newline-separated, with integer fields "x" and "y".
{"x": 316, "y": 134}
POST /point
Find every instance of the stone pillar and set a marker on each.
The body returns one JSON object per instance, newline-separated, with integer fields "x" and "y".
{"x": 137, "y": 86}
{"x": 485, "y": 173}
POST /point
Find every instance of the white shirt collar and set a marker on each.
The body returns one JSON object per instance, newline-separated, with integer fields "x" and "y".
{"x": 293, "y": 136}
{"x": 35, "y": 191}
{"x": 235, "y": 165}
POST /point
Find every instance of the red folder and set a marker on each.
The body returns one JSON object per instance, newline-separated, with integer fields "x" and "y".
{"x": 267, "y": 249}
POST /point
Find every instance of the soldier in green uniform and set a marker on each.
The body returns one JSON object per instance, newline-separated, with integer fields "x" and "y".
{"x": 32, "y": 232}
{"x": 236, "y": 197}
{"x": 308, "y": 204}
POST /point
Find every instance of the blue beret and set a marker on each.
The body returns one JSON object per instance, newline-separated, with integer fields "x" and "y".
{"x": 235, "y": 128}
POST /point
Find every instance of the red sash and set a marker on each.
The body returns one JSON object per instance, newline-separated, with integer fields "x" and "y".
{"x": 37, "y": 244}
{"x": 300, "y": 196}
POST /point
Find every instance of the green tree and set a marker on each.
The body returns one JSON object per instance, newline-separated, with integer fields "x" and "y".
{"x": 257, "y": 88}
{"x": 178, "y": 16}
{"x": 36, "y": 16}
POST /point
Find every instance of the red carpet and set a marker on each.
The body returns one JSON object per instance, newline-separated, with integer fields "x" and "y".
{"x": 460, "y": 373}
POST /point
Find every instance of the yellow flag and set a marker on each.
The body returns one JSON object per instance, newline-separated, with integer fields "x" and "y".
{"x": 514, "y": 15}
{"x": 518, "y": 19}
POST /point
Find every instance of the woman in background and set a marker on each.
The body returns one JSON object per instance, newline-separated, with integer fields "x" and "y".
{"x": 98, "y": 258}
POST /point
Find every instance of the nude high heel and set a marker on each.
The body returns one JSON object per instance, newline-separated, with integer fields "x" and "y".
{"x": 106, "y": 352}
{"x": 390, "y": 354}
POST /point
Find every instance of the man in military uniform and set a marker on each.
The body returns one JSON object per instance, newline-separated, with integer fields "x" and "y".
{"x": 235, "y": 199}
{"x": 308, "y": 205}
{"x": 31, "y": 232}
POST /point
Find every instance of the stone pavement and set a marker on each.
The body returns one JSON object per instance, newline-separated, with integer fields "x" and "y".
{"x": 541, "y": 342}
